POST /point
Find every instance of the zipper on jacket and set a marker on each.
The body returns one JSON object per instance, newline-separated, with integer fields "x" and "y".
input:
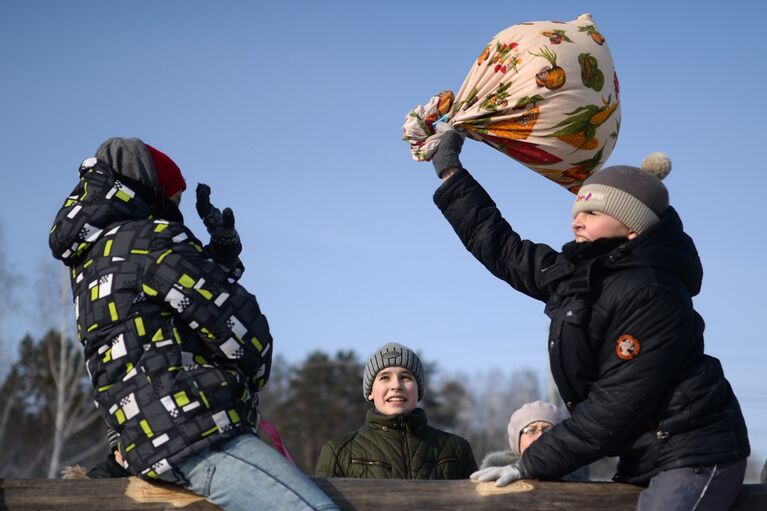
{"x": 660, "y": 435}
{"x": 405, "y": 448}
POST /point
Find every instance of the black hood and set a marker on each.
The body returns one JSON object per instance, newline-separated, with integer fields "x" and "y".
{"x": 104, "y": 198}
{"x": 666, "y": 246}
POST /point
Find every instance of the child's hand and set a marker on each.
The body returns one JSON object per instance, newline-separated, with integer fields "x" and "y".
{"x": 225, "y": 245}
{"x": 445, "y": 159}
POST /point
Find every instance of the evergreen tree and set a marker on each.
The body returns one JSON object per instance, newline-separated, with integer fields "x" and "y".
{"x": 324, "y": 400}
{"x": 449, "y": 405}
{"x": 30, "y": 401}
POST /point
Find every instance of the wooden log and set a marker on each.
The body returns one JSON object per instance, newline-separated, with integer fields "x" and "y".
{"x": 121, "y": 494}
{"x": 131, "y": 494}
{"x": 528, "y": 495}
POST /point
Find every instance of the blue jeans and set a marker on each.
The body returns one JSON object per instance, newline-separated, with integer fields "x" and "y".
{"x": 245, "y": 473}
{"x": 705, "y": 488}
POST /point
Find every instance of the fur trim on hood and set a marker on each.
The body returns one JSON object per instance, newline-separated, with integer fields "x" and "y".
{"x": 74, "y": 472}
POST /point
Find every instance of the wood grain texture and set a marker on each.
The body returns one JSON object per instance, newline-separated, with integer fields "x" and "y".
{"x": 350, "y": 494}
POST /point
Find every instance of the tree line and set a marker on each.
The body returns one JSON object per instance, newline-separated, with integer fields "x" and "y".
{"x": 48, "y": 419}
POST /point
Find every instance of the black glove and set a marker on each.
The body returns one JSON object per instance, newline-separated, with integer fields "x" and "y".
{"x": 108, "y": 468}
{"x": 224, "y": 246}
{"x": 446, "y": 156}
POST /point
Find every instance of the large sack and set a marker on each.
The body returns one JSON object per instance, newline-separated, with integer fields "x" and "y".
{"x": 544, "y": 93}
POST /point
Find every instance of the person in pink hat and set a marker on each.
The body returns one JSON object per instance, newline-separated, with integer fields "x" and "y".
{"x": 526, "y": 425}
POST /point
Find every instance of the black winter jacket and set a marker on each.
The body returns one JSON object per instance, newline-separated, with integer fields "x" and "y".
{"x": 174, "y": 347}
{"x": 397, "y": 447}
{"x": 625, "y": 343}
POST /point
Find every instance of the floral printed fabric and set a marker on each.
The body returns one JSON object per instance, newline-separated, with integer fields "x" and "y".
{"x": 544, "y": 93}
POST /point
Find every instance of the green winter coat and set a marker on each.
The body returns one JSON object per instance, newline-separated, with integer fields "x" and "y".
{"x": 397, "y": 447}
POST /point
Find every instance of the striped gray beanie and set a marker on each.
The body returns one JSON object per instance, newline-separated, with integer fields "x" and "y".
{"x": 392, "y": 355}
{"x": 634, "y": 196}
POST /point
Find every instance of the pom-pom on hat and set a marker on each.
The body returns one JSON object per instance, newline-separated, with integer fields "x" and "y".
{"x": 169, "y": 176}
{"x": 527, "y": 414}
{"x": 634, "y": 196}
{"x": 392, "y": 355}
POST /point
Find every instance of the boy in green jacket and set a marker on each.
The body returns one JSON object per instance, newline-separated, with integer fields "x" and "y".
{"x": 396, "y": 441}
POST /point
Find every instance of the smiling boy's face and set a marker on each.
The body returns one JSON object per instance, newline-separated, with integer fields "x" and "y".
{"x": 395, "y": 391}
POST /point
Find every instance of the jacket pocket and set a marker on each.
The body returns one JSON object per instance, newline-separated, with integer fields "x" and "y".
{"x": 219, "y": 388}
{"x": 574, "y": 364}
{"x": 443, "y": 468}
{"x": 440, "y": 462}
{"x": 371, "y": 463}
{"x": 362, "y": 468}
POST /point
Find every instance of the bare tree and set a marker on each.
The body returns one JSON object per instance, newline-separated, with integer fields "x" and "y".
{"x": 524, "y": 387}
{"x": 7, "y": 406}
{"x": 74, "y": 410}
{"x": 71, "y": 406}
{"x": 9, "y": 281}
{"x": 490, "y": 412}
{"x": 478, "y": 407}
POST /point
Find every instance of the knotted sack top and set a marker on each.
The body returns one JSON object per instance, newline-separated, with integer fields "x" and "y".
{"x": 544, "y": 93}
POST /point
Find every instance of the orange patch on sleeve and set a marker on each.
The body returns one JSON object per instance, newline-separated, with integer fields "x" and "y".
{"x": 627, "y": 347}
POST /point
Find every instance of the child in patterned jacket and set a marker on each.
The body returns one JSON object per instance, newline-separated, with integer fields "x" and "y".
{"x": 175, "y": 347}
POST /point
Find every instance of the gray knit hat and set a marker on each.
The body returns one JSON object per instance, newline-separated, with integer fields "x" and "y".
{"x": 392, "y": 355}
{"x": 527, "y": 414}
{"x": 131, "y": 158}
{"x": 634, "y": 196}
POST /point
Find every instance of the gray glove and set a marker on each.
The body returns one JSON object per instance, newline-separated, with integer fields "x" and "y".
{"x": 446, "y": 156}
{"x": 225, "y": 245}
{"x": 502, "y": 475}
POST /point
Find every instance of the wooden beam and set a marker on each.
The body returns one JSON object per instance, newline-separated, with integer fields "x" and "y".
{"x": 529, "y": 495}
{"x": 121, "y": 494}
{"x": 132, "y": 494}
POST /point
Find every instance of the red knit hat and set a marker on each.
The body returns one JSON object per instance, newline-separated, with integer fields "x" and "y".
{"x": 168, "y": 174}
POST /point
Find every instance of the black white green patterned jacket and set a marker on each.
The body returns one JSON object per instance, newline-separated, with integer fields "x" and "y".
{"x": 175, "y": 347}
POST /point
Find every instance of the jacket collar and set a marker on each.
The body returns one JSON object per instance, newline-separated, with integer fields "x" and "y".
{"x": 664, "y": 246}
{"x": 585, "y": 259}
{"x": 411, "y": 421}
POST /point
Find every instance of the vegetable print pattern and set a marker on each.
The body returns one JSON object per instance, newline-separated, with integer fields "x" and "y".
{"x": 544, "y": 93}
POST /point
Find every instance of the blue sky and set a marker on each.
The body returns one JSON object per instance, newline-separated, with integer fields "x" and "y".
{"x": 292, "y": 112}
